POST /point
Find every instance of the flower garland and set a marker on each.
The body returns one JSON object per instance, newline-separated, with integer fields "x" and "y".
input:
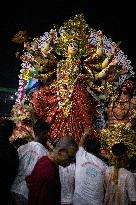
{"x": 67, "y": 76}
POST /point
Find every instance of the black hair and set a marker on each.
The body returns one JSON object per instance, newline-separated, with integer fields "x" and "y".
{"x": 119, "y": 149}
{"x": 92, "y": 146}
{"x": 18, "y": 142}
{"x": 121, "y": 159}
{"x": 41, "y": 129}
{"x": 6, "y": 127}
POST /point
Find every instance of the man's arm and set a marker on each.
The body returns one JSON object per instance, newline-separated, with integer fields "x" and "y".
{"x": 84, "y": 136}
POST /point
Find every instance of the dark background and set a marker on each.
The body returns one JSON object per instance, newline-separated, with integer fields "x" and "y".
{"x": 115, "y": 18}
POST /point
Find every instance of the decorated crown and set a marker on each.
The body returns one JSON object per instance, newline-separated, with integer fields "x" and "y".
{"x": 75, "y": 30}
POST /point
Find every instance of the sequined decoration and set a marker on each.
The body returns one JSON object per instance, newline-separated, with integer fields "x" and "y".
{"x": 67, "y": 77}
{"x": 81, "y": 114}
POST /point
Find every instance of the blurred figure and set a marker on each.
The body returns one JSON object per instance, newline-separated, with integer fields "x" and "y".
{"x": 18, "y": 142}
{"x": 120, "y": 183}
{"x": 132, "y": 164}
{"x": 89, "y": 175}
{"x": 8, "y": 160}
{"x": 22, "y": 115}
{"x": 44, "y": 182}
{"x": 67, "y": 179}
{"x": 121, "y": 118}
{"x": 28, "y": 156}
{"x": 122, "y": 107}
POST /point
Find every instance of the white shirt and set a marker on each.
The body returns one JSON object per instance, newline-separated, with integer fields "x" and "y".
{"x": 123, "y": 191}
{"x": 89, "y": 179}
{"x": 28, "y": 156}
{"x": 67, "y": 179}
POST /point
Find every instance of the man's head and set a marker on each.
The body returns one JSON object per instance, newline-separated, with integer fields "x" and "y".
{"x": 120, "y": 157}
{"x": 41, "y": 129}
{"x": 65, "y": 151}
{"x": 92, "y": 145}
{"x": 18, "y": 142}
{"x": 6, "y": 128}
{"x": 119, "y": 149}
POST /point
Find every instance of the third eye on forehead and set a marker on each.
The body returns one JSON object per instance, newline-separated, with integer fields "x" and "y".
{"x": 72, "y": 44}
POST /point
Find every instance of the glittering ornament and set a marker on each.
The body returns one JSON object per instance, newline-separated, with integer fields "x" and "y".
{"x": 75, "y": 30}
{"x": 113, "y": 135}
{"x": 61, "y": 97}
{"x": 68, "y": 76}
{"x": 80, "y": 115}
{"x": 27, "y": 75}
{"x": 20, "y": 37}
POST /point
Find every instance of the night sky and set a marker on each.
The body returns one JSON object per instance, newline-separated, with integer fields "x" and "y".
{"x": 115, "y": 18}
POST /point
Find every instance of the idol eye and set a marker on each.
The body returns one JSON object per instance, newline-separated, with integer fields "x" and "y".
{"x": 73, "y": 45}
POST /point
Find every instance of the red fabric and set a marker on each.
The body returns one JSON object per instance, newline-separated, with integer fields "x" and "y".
{"x": 44, "y": 183}
{"x": 83, "y": 111}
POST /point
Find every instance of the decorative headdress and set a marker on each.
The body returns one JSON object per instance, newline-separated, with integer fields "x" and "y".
{"x": 75, "y": 30}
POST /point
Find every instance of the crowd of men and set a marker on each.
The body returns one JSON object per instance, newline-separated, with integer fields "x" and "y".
{"x": 32, "y": 173}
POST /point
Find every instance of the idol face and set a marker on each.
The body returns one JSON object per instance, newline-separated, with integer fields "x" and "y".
{"x": 72, "y": 48}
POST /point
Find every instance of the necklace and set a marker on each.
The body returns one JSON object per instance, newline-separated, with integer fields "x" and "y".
{"x": 67, "y": 75}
